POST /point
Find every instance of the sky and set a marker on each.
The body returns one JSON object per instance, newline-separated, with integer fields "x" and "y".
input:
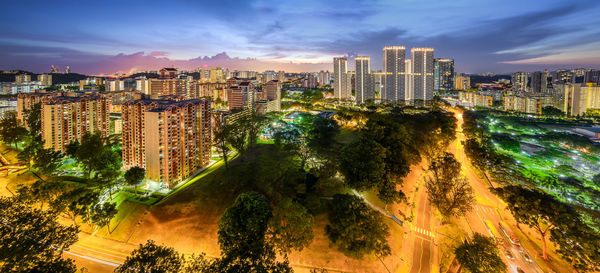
{"x": 104, "y": 37}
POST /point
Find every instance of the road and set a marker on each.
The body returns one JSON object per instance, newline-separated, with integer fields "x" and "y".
{"x": 423, "y": 245}
{"x": 488, "y": 207}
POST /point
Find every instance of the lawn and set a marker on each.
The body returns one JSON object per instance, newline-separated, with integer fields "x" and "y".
{"x": 188, "y": 220}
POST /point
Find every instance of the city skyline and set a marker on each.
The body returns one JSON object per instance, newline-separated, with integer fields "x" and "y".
{"x": 494, "y": 37}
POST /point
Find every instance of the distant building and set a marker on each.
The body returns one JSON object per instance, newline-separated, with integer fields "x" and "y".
{"x": 167, "y": 73}
{"x": 216, "y": 74}
{"x": 394, "y": 69}
{"x": 240, "y": 97}
{"x": 443, "y": 74}
{"x": 422, "y": 71}
{"x": 45, "y": 79}
{"x": 519, "y": 81}
{"x": 341, "y": 87}
{"x": 462, "y": 82}
{"x": 475, "y": 99}
{"x": 324, "y": 78}
{"x": 539, "y": 82}
{"x": 522, "y": 104}
{"x": 66, "y": 119}
{"x": 364, "y": 89}
{"x": 22, "y": 78}
{"x": 592, "y": 76}
{"x": 273, "y": 90}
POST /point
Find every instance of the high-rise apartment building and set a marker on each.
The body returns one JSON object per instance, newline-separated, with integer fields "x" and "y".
{"x": 519, "y": 81}
{"x": 216, "y": 74}
{"x": 364, "y": 89}
{"x": 408, "y": 81}
{"x": 443, "y": 74}
{"x": 273, "y": 90}
{"x": 462, "y": 82}
{"x": 26, "y": 101}
{"x": 592, "y": 76}
{"x": 66, "y": 119}
{"x": 394, "y": 69}
{"x": 22, "y": 78}
{"x": 539, "y": 82}
{"x": 422, "y": 70}
{"x": 240, "y": 96}
{"x": 324, "y": 78}
{"x": 45, "y": 79}
{"x": 341, "y": 88}
{"x": 170, "y": 139}
{"x": 281, "y": 76}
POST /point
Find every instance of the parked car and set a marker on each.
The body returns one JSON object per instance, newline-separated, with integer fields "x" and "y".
{"x": 509, "y": 255}
{"x": 527, "y": 258}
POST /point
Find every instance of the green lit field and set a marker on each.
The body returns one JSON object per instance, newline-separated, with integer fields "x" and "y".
{"x": 550, "y": 156}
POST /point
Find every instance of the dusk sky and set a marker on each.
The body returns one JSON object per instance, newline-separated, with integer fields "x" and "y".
{"x": 125, "y": 36}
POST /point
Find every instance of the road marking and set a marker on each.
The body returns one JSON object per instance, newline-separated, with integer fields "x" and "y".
{"x": 120, "y": 256}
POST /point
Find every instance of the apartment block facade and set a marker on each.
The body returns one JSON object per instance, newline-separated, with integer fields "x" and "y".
{"x": 170, "y": 139}
{"x": 66, "y": 119}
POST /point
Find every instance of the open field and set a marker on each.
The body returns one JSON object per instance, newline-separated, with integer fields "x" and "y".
{"x": 557, "y": 161}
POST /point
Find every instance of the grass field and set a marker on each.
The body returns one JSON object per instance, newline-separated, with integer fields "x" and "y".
{"x": 188, "y": 220}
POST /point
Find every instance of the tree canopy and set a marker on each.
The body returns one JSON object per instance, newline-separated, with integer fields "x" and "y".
{"x": 32, "y": 238}
{"x": 447, "y": 189}
{"x": 480, "y": 255}
{"x": 355, "y": 228}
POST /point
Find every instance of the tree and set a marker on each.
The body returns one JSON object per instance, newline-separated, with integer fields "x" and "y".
{"x": 479, "y": 255}
{"x": 40, "y": 191}
{"x": 94, "y": 154}
{"x": 221, "y": 135}
{"x": 10, "y": 129}
{"x": 151, "y": 257}
{"x": 31, "y": 238}
{"x": 54, "y": 266}
{"x": 76, "y": 202}
{"x": 291, "y": 226}
{"x": 237, "y": 137}
{"x": 320, "y": 136}
{"x": 540, "y": 211}
{"x": 134, "y": 176}
{"x": 355, "y": 228}
{"x": 33, "y": 144}
{"x": 47, "y": 161}
{"x": 243, "y": 225}
{"x": 552, "y": 111}
{"x": 101, "y": 214}
{"x": 447, "y": 189}
{"x": 363, "y": 164}
{"x": 34, "y": 119}
{"x": 242, "y": 231}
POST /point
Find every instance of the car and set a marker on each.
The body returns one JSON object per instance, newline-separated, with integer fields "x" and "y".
{"x": 519, "y": 270}
{"x": 527, "y": 257}
{"x": 509, "y": 255}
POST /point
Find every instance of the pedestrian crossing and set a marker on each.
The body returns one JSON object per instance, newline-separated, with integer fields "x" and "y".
{"x": 422, "y": 231}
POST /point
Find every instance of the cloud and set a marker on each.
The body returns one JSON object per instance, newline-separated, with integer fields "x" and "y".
{"x": 158, "y": 54}
{"x": 98, "y": 64}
